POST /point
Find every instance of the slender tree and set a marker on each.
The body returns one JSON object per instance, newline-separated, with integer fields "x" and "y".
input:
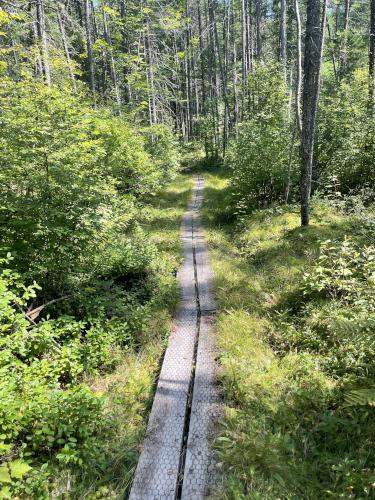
{"x": 299, "y": 66}
{"x": 41, "y": 31}
{"x": 314, "y": 39}
{"x": 372, "y": 56}
{"x": 258, "y": 20}
{"x": 282, "y": 33}
{"x": 61, "y": 22}
{"x": 343, "y": 47}
{"x": 90, "y": 58}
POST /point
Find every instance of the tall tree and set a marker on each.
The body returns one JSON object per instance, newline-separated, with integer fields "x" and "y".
{"x": 299, "y": 66}
{"x": 42, "y": 36}
{"x": 90, "y": 58}
{"x": 107, "y": 37}
{"x": 314, "y": 41}
{"x": 61, "y": 21}
{"x": 372, "y": 55}
{"x": 343, "y": 47}
{"x": 258, "y": 20}
{"x": 282, "y": 33}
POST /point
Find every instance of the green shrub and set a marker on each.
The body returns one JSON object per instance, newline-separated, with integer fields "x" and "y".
{"x": 259, "y": 158}
{"x": 162, "y": 145}
{"x": 346, "y": 137}
{"x": 70, "y": 182}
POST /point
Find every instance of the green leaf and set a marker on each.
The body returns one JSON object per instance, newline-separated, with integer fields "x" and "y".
{"x": 4, "y": 474}
{"x": 18, "y": 468}
{"x": 5, "y": 492}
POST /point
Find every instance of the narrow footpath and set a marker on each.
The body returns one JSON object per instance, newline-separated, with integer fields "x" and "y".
{"x": 176, "y": 460}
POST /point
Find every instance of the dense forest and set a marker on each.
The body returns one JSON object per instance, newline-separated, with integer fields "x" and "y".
{"x": 106, "y": 106}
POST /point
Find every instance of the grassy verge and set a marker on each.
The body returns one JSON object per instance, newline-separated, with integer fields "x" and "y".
{"x": 296, "y": 337}
{"x": 128, "y": 391}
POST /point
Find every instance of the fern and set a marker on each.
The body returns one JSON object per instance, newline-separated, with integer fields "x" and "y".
{"x": 361, "y": 397}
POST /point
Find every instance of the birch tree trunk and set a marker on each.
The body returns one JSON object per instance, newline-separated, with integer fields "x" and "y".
{"x": 372, "y": 57}
{"x": 244, "y": 41}
{"x": 258, "y": 20}
{"x": 41, "y": 31}
{"x": 107, "y": 37}
{"x": 299, "y": 67}
{"x": 282, "y": 33}
{"x": 90, "y": 60}
{"x": 60, "y": 19}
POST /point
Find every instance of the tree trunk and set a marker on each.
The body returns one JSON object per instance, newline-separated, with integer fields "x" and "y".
{"x": 249, "y": 36}
{"x": 41, "y": 30}
{"x": 203, "y": 73}
{"x": 244, "y": 41}
{"x": 60, "y": 20}
{"x": 282, "y": 34}
{"x": 212, "y": 10}
{"x": 107, "y": 37}
{"x": 258, "y": 19}
{"x": 372, "y": 56}
{"x": 90, "y": 59}
{"x": 343, "y": 47}
{"x": 314, "y": 39}
{"x": 151, "y": 75}
{"x": 125, "y": 47}
{"x": 332, "y": 51}
{"x": 299, "y": 67}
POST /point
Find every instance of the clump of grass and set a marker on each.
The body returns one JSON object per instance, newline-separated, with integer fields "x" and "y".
{"x": 287, "y": 366}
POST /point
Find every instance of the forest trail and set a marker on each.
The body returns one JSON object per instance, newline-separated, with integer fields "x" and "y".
{"x": 176, "y": 460}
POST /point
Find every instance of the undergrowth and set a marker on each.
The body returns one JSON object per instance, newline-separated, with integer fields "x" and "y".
{"x": 78, "y": 376}
{"x": 296, "y": 336}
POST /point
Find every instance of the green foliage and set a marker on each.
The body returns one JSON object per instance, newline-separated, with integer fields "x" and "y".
{"x": 76, "y": 188}
{"x": 62, "y": 169}
{"x": 346, "y": 137}
{"x": 259, "y": 158}
{"x": 42, "y": 415}
{"x": 74, "y": 386}
{"x": 344, "y": 270}
{"x": 163, "y": 148}
{"x": 296, "y": 336}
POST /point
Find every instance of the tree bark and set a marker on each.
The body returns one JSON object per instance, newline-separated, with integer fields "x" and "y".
{"x": 90, "y": 59}
{"x": 60, "y": 19}
{"x": 332, "y": 52}
{"x": 299, "y": 67}
{"x": 372, "y": 57}
{"x": 344, "y": 44}
{"x": 258, "y": 19}
{"x": 282, "y": 33}
{"x": 212, "y": 11}
{"x": 244, "y": 41}
{"x": 314, "y": 40}
{"x": 41, "y": 30}
{"x": 107, "y": 37}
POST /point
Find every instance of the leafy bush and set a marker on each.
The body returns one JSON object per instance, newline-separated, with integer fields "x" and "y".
{"x": 259, "y": 158}
{"x": 163, "y": 148}
{"x": 70, "y": 181}
{"x": 337, "y": 318}
{"x": 346, "y": 137}
{"x": 42, "y": 416}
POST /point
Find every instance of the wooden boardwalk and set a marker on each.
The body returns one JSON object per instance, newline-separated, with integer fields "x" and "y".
{"x": 177, "y": 459}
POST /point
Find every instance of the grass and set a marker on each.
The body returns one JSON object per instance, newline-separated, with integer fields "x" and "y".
{"x": 286, "y": 365}
{"x": 129, "y": 390}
